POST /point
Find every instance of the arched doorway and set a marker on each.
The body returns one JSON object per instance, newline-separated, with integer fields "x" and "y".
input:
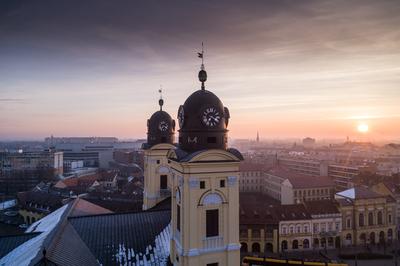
{"x": 255, "y": 248}
{"x": 284, "y": 245}
{"x": 330, "y": 241}
{"x": 306, "y": 243}
{"x": 243, "y": 247}
{"x": 372, "y": 238}
{"x": 323, "y": 242}
{"x": 337, "y": 242}
{"x": 390, "y": 235}
{"x": 381, "y": 237}
{"x": 316, "y": 243}
{"x": 295, "y": 244}
{"x": 363, "y": 239}
{"x": 269, "y": 248}
{"x": 348, "y": 240}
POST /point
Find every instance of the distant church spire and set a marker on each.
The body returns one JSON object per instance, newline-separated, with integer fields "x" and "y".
{"x": 202, "y": 72}
{"x": 258, "y": 137}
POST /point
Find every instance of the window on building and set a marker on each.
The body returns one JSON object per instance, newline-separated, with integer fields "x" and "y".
{"x": 361, "y": 219}
{"x": 202, "y": 184}
{"x": 305, "y": 228}
{"x": 298, "y": 229}
{"x": 178, "y": 217}
{"x": 212, "y": 264}
{"x": 295, "y": 193}
{"x": 380, "y": 218}
{"x": 222, "y": 183}
{"x": 389, "y": 218}
{"x": 163, "y": 181}
{"x": 284, "y": 231}
{"x": 291, "y": 230}
{"x": 348, "y": 223}
{"x": 158, "y": 161}
{"x": 212, "y": 223}
{"x": 315, "y": 228}
{"x": 370, "y": 219}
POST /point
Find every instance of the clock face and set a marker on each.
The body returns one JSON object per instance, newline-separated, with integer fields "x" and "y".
{"x": 163, "y": 126}
{"x": 181, "y": 116}
{"x": 211, "y": 117}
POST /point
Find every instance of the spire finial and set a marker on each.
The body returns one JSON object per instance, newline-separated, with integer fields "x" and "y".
{"x": 161, "y": 101}
{"x": 202, "y": 73}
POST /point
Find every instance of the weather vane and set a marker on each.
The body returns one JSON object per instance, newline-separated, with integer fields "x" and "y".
{"x": 201, "y": 55}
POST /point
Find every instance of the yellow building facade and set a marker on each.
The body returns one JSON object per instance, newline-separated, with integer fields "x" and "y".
{"x": 205, "y": 209}
{"x": 157, "y": 181}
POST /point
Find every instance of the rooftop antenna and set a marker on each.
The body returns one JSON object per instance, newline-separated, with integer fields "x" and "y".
{"x": 161, "y": 101}
{"x": 202, "y": 73}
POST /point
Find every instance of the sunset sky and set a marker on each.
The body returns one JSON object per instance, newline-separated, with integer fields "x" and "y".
{"x": 283, "y": 68}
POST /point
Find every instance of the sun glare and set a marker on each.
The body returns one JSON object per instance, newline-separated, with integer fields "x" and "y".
{"x": 362, "y": 128}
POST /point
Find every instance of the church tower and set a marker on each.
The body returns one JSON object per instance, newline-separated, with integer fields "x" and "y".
{"x": 205, "y": 192}
{"x": 157, "y": 174}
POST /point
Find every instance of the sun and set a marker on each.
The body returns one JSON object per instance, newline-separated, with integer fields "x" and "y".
{"x": 362, "y": 128}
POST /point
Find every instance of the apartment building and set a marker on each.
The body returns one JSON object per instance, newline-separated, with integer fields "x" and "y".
{"x": 290, "y": 187}
{"x": 326, "y": 221}
{"x": 251, "y": 176}
{"x": 304, "y": 166}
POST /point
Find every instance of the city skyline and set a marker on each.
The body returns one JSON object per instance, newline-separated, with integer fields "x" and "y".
{"x": 284, "y": 68}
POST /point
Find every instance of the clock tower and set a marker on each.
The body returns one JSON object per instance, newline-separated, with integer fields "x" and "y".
{"x": 157, "y": 173}
{"x": 205, "y": 192}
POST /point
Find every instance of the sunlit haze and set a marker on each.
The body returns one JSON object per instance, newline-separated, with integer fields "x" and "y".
{"x": 324, "y": 69}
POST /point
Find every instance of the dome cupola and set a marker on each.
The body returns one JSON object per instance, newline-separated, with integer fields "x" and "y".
{"x": 203, "y": 119}
{"x": 160, "y": 127}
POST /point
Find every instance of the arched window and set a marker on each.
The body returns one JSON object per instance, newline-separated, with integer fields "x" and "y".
{"x": 348, "y": 237}
{"x": 370, "y": 219}
{"x": 306, "y": 243}
{"x": 381, "y": 237}
{"x": 295, "y": 244}
{"x": 243, "y": 247}
{"x": 284, "y": 245}
{"x": 212, "y": 199}
{"x": 390, "y": 234}
{"x": 363, "y": 238}
{"x": 269, "y": 247}
{"x": 372, "y": 238}
{"x": 361, "y": 219}
{"x": 380, "y": 218}
{"x": 255, "y": 247}
{"x": 316, "y": 243}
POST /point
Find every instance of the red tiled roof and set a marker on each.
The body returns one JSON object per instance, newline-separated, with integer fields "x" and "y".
{"x": 82, "y": 207}
{"x": 302, "y": 181}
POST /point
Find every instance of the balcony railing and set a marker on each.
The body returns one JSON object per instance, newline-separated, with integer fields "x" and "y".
{"x": 210, "y": 243}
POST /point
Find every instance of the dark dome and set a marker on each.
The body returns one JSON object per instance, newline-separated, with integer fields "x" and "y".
{"x": 204, "y": 123}
{"x": 160, "y": 128}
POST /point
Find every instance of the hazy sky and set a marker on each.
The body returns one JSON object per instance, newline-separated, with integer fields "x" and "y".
{"x": 284, "y": 68}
